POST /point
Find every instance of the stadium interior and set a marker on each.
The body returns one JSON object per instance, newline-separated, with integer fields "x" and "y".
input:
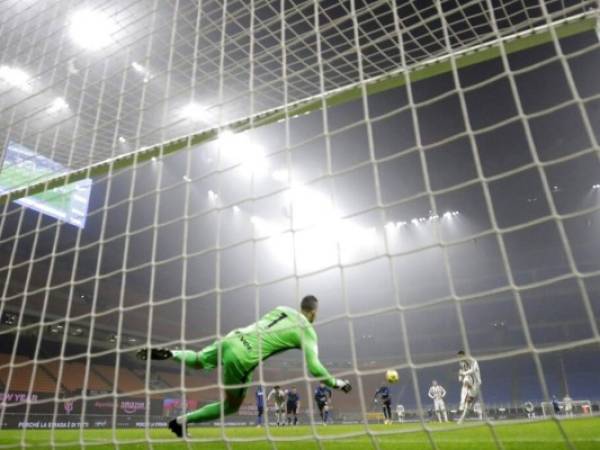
{"x": 422, "y": 230}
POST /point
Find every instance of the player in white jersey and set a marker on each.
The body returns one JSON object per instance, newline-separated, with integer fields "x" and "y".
{"x": 437, "y": 394}
{"x": 400, "y": 413}
{"x": 568, "y": 402}
{"x": 470, "y": 378}
{"x": 529, "y": 409}
{"x": 279, "y": 397}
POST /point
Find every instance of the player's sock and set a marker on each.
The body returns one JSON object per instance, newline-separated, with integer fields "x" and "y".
{"x": 325, "y": 416}
{"x": 189, "y": 357}
{"x": 462, "y": 417}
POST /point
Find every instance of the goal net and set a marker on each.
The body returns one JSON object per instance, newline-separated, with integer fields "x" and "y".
{"x": 172, "y": 170}
{"x": 569, "y": 408}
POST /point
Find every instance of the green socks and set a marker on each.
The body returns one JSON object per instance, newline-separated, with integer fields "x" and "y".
{"x": 209, "y": 412}
{"x": 206, "y": 413}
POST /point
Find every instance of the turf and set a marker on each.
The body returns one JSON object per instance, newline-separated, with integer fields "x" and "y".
{"x": 583, "y": 434}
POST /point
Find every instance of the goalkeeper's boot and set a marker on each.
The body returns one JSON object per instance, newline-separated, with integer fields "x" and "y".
{"x": 158, "y": 354}
{"x": 177, "y": 428}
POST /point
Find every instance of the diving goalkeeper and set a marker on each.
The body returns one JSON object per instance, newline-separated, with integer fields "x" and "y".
{"x": 240, "y": 352}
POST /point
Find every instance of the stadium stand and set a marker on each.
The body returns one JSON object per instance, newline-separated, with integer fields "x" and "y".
{"x": 72, "y": 376}
{"x": 21, "y": 376}
{"x": 127, "y": 381}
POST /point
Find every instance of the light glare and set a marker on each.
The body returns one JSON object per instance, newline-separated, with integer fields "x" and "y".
{"x": 280, "y": 175}
{"x": 239, "y": 149}
{"x": 91, "y": 29}
{"x": 142, "y": 70}
{"x": 57, "y": 105}
{"x": 195, "y": 112}
{"x": 138, "y": 67}
{"x": 15, "y": 77}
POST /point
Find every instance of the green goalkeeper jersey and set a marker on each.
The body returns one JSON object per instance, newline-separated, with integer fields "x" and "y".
{"x": 281, "y": 329}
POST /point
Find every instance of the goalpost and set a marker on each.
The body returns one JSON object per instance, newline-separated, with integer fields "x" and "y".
{"x": 172, "y": 170}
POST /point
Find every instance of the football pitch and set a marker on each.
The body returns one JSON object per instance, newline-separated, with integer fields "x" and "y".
{"x": 583, "y": 434}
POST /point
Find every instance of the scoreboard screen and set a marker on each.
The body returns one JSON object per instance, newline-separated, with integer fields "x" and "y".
{"x": 21, "y": 167}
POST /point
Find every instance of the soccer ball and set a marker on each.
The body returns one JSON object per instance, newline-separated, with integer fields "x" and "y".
{"x": 392, "y": 376}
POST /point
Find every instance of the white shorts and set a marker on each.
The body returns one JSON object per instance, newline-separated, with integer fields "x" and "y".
{"x": 280, "y": 408}
{"x": 439, "y": 405}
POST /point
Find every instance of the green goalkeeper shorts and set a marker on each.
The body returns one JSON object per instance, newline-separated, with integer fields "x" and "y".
{"x": 234, "y": 372}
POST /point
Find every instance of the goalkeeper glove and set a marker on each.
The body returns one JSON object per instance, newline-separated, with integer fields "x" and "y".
{"x": 343, "y": 385}
{"x": 155, "y": 353}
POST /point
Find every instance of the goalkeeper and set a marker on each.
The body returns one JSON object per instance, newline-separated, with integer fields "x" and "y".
{"x": 241, "y": 351}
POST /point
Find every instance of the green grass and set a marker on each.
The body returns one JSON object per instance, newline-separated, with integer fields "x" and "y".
{"x": 584, "y": 434}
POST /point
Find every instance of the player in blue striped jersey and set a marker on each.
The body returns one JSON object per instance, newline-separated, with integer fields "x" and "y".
{"x": 385, "y": 395}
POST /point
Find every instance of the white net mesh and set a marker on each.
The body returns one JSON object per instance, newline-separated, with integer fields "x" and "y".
{"x": 429, "y": 170}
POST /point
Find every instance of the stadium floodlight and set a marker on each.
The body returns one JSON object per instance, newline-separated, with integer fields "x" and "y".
{"x": 141, "y": 70}
{"x": 58, "y": 104}
{"x": 91, "y": 29}
{"x": 15, "y": 77}
{"x": 56, "y": 329}
{"x": 354, "y": 236}
{"x": 263, "y": 227}
{"x": 280, "y": 175}
{"x": 138, "y": 67}
{"x": 391, "y": 226}
{"x": 212, "y": 196}
{"x": 195, "y": 112}
{"x": 238, "y": 148}
{"x": 596, "y": 186}
{"x": 310, "y": 206}
{"x": 8, "y": 318}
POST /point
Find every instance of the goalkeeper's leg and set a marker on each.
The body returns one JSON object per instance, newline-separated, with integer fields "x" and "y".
{"x": 208, "y": 358}
{"x": 190, "y": 358}
{"x": 233, "y": 400}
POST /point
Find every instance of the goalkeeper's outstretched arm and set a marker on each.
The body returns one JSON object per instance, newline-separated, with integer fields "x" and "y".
{"x": 316, "y": 368}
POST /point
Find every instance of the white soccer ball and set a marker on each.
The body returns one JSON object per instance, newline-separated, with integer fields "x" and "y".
{"x": 392, "y": 376}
